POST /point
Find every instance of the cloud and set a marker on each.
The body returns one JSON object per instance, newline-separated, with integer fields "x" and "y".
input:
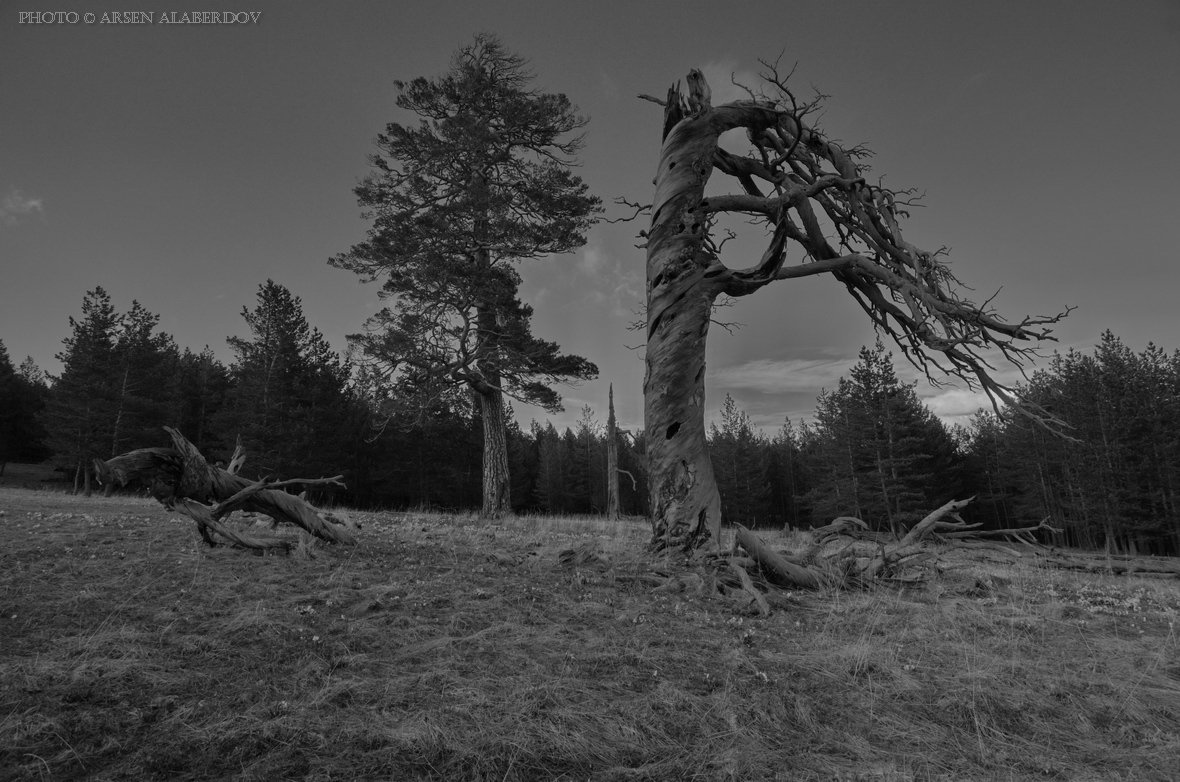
{"x": 778, "y": 376}
{"x": 955, "y": 405}
{"x": 611, "y": 283}
{"x": 15, "y": 206}
{"x": 594, "y": 259}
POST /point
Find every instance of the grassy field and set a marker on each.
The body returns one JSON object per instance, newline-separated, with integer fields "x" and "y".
{"x": 444, "y": 648}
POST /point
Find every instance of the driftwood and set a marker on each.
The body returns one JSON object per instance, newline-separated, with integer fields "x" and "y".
{"x": 181, "y": 479}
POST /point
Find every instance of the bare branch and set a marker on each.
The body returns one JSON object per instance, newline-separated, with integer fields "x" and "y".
{"x": 640, "y": 209}
{"x": 794, "y": 179}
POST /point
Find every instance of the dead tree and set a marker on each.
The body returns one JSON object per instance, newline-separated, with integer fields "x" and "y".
{"x": 810, "y": 191}
{"x": 612, "y": 458}
{"x": 181, "y": 479}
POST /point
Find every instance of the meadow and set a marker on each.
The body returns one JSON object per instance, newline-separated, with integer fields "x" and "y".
{"x": 443, "y": 647}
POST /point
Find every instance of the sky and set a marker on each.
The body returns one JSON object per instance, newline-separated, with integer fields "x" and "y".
{"x": 183, "y": 165}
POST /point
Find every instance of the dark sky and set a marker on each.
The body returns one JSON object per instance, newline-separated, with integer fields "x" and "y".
{"x": 183, "y": 165}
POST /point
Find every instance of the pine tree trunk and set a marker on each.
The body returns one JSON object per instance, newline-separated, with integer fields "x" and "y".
{"x": 497, "y": 500}
{"x": 117, "y": 434}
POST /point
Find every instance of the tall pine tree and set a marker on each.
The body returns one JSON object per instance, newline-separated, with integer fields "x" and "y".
{"x": 22, "y": 396}
{"x": 878, "y": 452}
{"x": 81, "y": 408}
{"x": 482, "y": 182}
{"x": 289, "y": 395}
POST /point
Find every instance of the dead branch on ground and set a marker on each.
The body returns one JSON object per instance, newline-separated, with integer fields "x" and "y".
{"x": 181, "y": 479}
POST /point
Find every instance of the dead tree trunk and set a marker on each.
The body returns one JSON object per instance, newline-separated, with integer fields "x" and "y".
{"x": 612, "y": 458}
{"x": 802, "y": 186}
{"x": 684, "y": 501}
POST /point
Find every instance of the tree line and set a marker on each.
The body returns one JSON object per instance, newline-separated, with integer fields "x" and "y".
{"x": 871, "y": 450}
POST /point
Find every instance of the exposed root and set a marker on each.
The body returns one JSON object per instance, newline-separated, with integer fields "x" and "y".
{"x": 847, "y": 555}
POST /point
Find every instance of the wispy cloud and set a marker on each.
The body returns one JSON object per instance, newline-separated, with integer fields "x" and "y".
{"x": 15, "y": 206}
{"x": 778, "y": 376}
{"x": 612, "y": 284}
{"x": 594, "y": 259}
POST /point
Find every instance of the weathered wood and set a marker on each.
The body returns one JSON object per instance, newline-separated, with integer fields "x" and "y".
{"x": 749, "y": 588}
{"x": 237, "y": 459}
{"x": 920, "y": 529}
{"x": 775, "y": 567}
{"x": 203, "y": 515}
{"x": 180, "y": 478}
{"x": 1022, "y": 533}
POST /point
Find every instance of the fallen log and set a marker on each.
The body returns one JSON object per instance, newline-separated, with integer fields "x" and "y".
{"x": 844, "y": 554}
{"x": 775, "y": 567}
{"x": 181, "y": 479}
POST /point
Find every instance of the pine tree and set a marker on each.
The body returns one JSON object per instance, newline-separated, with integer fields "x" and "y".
{"x": 1113, "y": 485}
{"x": 883, "y": 456}
{"x": 738, "y": 466}
{"x": 784, "y": 480}
{"x": 81, "y": 410}
{"x": 289, "y": 392}
{"x": 22, "y": 397}
{"x": 551, "y": 492}
{"x": 144, "y": 381}
{"x": 484, "y": 181}
{"x": 202, "y": 385}
{"x": 589, "y": 462}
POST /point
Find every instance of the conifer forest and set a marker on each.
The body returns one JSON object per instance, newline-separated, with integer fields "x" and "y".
{"x": 871, "y": 450}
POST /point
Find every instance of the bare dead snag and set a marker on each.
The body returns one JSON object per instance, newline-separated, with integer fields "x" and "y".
{"x": 237, "y": 459}
{"x": 181, "y": 479}
{"x": 812, "y": 192}
{"x": 612, "y": 459}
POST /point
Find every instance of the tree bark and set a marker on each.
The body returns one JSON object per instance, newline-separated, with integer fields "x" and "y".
{"x": 684, "y": 501}
{"x": 497, "y": 484}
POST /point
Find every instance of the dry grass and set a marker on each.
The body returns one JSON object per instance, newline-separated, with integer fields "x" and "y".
{"x": 441, "y": 648}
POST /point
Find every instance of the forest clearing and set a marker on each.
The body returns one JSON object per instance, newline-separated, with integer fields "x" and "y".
{"x": 355, "y": 317}
{"x": 442, "y": 647}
